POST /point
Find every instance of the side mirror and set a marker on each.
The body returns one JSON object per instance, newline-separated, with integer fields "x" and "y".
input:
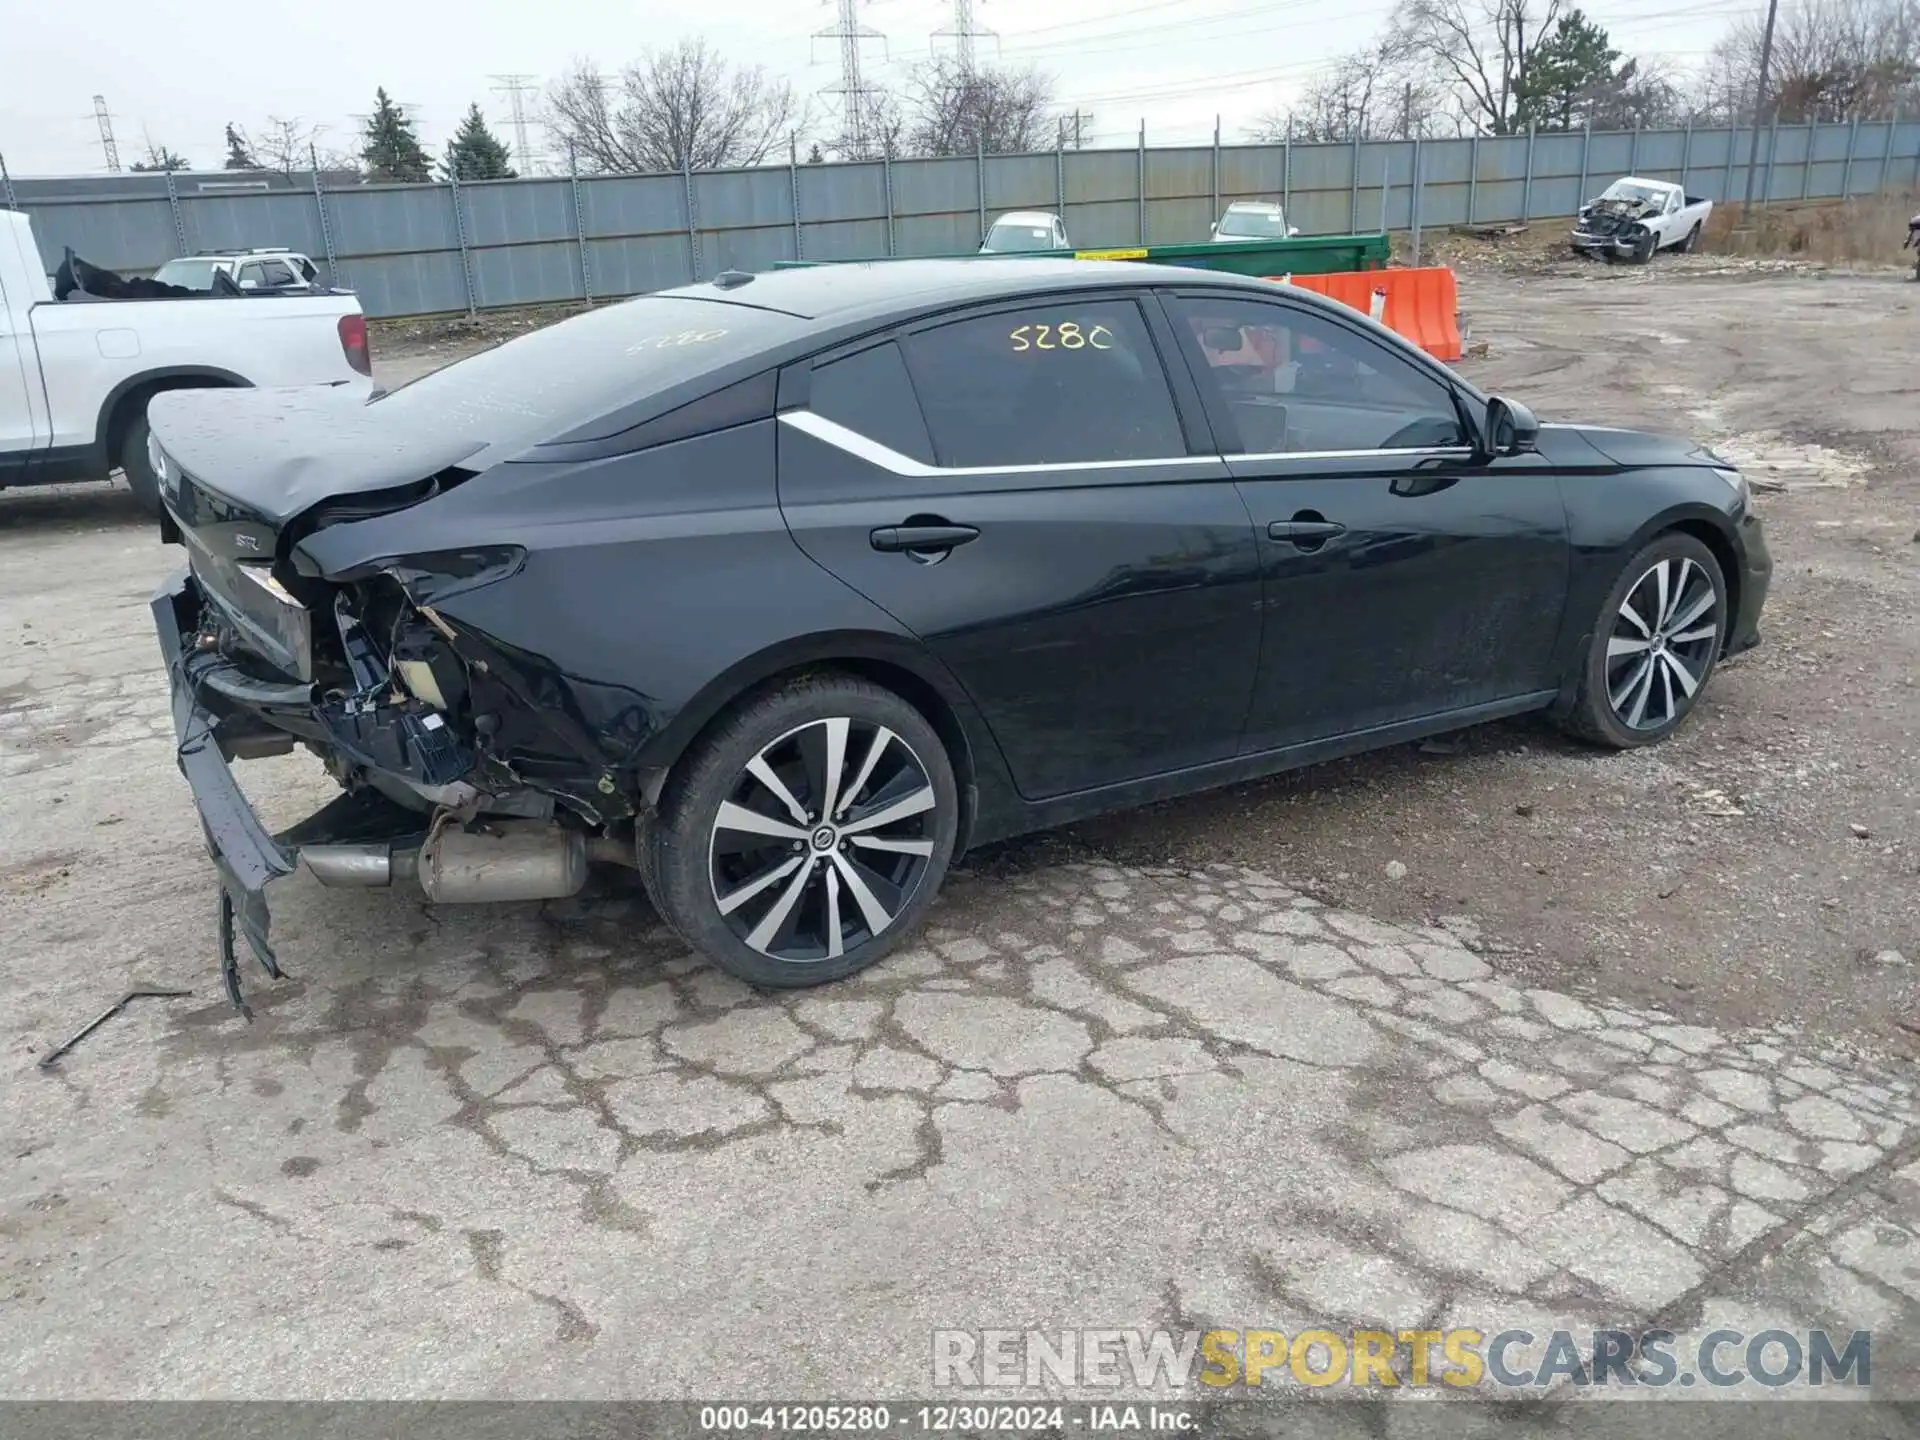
{"x": 1292, "y": 230}
{"x": 1511, "y": 428}
{"x": 1214, "y": 228}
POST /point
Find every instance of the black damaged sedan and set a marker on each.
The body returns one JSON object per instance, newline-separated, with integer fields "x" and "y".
{"x": 786, "y": 589}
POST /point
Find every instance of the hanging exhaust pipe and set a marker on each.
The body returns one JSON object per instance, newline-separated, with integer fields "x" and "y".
{"x": 465, "y": 867}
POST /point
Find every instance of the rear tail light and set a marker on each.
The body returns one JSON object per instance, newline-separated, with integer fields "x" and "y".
{"x": 353, "y": 342}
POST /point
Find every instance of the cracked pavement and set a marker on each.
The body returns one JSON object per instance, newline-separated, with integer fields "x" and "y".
{"x": 541, "y": 1151}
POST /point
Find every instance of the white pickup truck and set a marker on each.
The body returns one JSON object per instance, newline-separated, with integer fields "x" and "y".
{"x": 1633, "y": 218}
{"x": 75, "y": 376}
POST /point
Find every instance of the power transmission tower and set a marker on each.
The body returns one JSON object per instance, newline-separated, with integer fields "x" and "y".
{"x": 963, "y": 34}
{"x": 514, "y": 87}
{"x": 105, "y": 122}
{"x": 1072, "y": 122}
{"x": 855, "y": 94}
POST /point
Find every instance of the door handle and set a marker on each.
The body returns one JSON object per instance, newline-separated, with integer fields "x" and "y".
{"x": 896, "y": 538}
{"x": 1297, "y": 530}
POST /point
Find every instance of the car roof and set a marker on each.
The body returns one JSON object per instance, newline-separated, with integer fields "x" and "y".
{"x": 1026, "y": 217}
{"x": 1262, "y": 205}
{"x": 872, "y": 289}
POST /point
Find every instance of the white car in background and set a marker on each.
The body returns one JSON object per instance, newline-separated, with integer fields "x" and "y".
{"x": 1025, "y": 232}
{"x": 1253, "y": 220}
{"x": 1633, "y": 218}
{"x": 268, "y": 268}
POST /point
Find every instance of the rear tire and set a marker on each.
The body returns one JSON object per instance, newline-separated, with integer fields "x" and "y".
{"x": 807, "y": 835}
{"x": 141, "y": 480}
{"x": 1654, "y": 645}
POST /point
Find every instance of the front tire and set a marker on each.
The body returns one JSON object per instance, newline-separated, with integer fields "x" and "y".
{"x": 1654, "y": 645}
{"x": 1644, "y": 248}
{"x": 808, "y": 834}
{"x": 1692, "y": 242}
{"x": 141, "y": 480}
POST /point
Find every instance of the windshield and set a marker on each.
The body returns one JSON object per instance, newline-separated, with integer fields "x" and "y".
{"x": 1254, "y": 223}
{"x": 1640, "y": 194}
{"x": 190, "y": 274}
{"x": 1005, "y": 236}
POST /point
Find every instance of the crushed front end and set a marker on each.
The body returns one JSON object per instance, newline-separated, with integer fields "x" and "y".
{"x": 1612, "y": 227}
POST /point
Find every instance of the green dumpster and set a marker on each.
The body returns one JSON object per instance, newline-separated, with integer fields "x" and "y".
{"x": 1301, "y": 255}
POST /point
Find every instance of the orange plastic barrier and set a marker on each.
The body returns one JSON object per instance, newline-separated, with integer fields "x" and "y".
{"x": 1422, "y": 305}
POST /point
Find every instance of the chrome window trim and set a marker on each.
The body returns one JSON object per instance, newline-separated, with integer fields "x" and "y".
{"x": 1460, "y": 451}
{"x": 887, "y": 458}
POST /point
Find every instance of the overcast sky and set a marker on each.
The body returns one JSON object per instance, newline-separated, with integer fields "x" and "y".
{"x": 176, "y": 72}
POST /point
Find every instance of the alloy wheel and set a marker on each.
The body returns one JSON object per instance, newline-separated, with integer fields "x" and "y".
{"x": 822, "y": 840}
{"x": 1662, "y": 644}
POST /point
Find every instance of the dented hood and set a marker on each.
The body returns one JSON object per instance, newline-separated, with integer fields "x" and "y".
{"x": 278, "y": 453}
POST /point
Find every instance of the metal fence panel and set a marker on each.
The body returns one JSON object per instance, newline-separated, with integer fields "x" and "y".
{"x": 1014, "y": 182}
{"x": 400, "y": 246}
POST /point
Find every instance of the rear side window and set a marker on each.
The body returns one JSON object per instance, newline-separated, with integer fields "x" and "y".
{"x": 871, "y": 394}
{"x": 1068, "y": 380}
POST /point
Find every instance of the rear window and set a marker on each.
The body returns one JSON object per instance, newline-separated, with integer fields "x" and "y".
{"x": 561, "y": 378}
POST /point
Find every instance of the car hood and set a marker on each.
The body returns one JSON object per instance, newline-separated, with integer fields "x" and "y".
{"x": 278, "y": 452}
{"x": 1632, "y": 449}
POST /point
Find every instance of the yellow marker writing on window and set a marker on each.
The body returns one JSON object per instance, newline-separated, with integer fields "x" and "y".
{"x": 1060, "y": 335}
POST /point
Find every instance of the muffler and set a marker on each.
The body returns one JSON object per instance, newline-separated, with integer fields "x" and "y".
{"x": 504, "y": 862}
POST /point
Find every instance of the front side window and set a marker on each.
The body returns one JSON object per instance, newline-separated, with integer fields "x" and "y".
{"x": 1293, "y": 381}
{"x": 1064, "y": 381}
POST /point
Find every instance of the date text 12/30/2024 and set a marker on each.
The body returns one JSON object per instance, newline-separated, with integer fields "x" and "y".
{"x": 945, "y": 1419}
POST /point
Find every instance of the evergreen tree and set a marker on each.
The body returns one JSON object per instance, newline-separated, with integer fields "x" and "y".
{"x": 239, "y": 152}
{"x": 391, "y": 151}
{"x": 814, "y": 156}
{"x": 159, "y": 157}
{"x": 1574, "y": 76}
{"x": 474, "y": 152}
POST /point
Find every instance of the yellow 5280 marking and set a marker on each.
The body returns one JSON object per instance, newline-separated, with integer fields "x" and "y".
{"x": 1066, "y": 335}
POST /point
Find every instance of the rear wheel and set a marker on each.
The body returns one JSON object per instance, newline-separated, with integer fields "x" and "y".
{"x": 1654, "y": 645}
{"x": 808, "y": 835}
{"x": 141, "y": 479}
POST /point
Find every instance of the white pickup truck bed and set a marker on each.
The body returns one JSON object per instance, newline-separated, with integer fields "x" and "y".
{"x": 75, "y": 377}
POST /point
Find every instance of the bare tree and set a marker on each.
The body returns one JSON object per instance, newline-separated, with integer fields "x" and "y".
{"x": 1478, "y": 52}
{"x": 1832, "y": 59}
{"x": 685, "y": 107}
{"x": 951, "y": 109}
{"x": 290, "y": 147}
{"x": 1377, "y": 92}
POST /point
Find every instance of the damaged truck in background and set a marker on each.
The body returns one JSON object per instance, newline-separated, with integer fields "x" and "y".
{"x": 1634, "y": 219}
